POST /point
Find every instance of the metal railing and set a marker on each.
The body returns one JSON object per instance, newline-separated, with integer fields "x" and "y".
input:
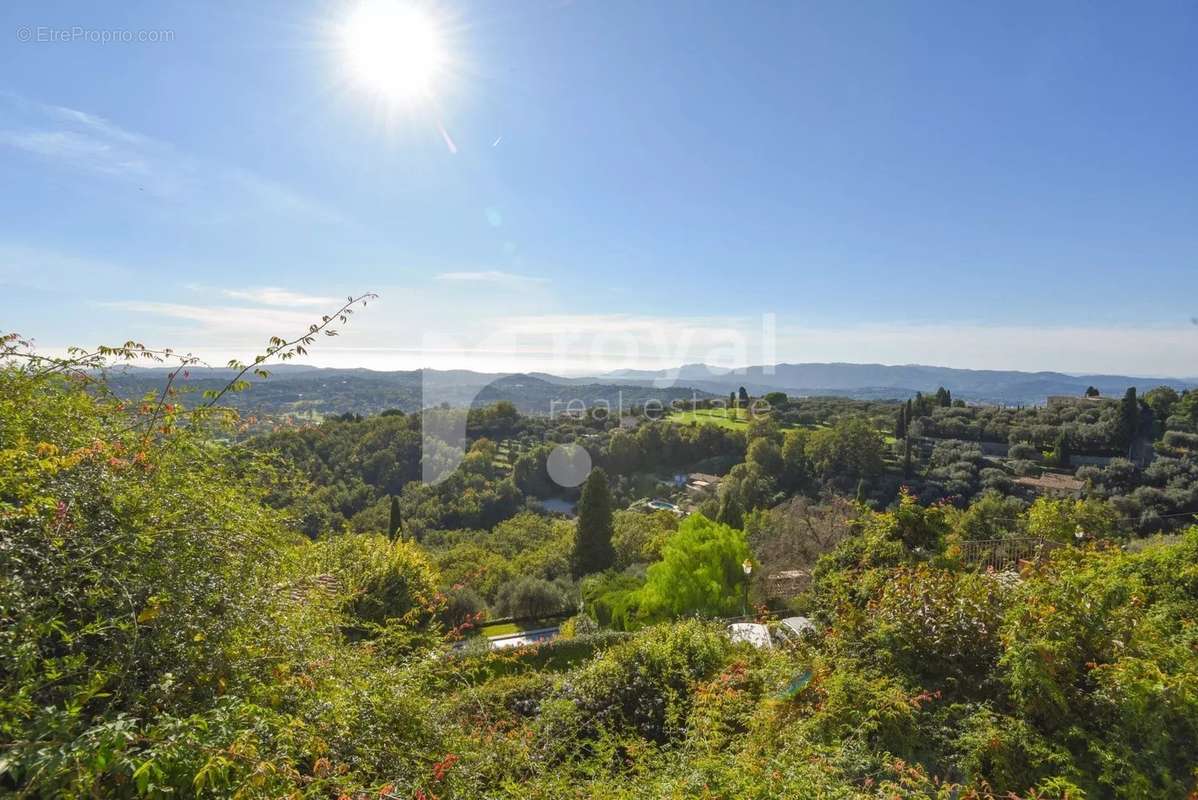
{"x": 1000, "y": 554}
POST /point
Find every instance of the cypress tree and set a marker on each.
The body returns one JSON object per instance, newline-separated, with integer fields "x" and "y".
{"x": 1129, "y": 417}
{"x": 731, "y": 512}
{"x": 1060, "y": 452}
{"x": 395, "y": 521}
{"x": 593, "y": 551}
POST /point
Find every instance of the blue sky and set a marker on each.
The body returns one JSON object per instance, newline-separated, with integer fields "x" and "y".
{"x": 629, "y": 184}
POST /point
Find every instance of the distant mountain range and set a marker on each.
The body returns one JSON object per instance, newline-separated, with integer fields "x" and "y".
{"x": 879, "y": 381}
{"x": 294, "y": 389}
{"x": 300, "y": 389}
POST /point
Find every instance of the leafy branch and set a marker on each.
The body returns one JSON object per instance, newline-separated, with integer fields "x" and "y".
{"x": 91, "y": 366}
{"x": 285, "y": 350}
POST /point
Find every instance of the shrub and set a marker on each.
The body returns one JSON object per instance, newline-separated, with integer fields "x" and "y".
{"x": 463, "y": 605}
{"x": 1025, "y": 468}
{"x": 940, "y": 625}
{"x": 1022, "y": 451}
{"x": 384, "y": 582}
{"x": 645, "y": 686}
{"x": 529, "y": 598}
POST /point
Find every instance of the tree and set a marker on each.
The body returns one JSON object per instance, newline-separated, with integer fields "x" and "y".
{"x": 593, "y": 551}
{"x": 763, "y": 427}
{"x": 752, "y": 485}
{"x": 638, "y": 537}
{"x": 1129, "y": 418}
{"x": 796, "y": 533}
{"x": 395, "y": 521}
{"x": 992, "y": 516}
{"x": 848, "y": 451}
{"x": 1161, "y": 400}
{"x": 1092, "y": 391}
{"x": 700, "y": 572}
{"x": 1187, "y": 409}
{"x": 1060, "y": 452}
{"x": 796, "y": 466}
{"x": 743, "y": 395}
{"x": 944, "y": 397}
{"x": 529, "y": 597}
{"x": 731, "y": 511}
{"x": 766, "y": 455}
{"x": 1062, "y": 520}
{"x": 623, "y": 453}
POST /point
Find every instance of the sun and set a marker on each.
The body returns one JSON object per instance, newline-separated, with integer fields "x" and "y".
{"x": 395, "y": 49}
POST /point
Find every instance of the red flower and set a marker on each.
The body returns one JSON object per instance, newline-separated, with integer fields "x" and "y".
{"x": 441, "y": 768}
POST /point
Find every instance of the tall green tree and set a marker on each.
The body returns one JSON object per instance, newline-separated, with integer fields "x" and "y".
{"x": 395, "y": 520}
{"x": 1129, "y": 417}
{"x": 1060, "y": 452}
{"x": 732, "y": 512}
{"x": 593, "y": 551}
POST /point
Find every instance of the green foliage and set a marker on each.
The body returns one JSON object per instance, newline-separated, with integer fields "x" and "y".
{"x": 700, "y": 573}
{"x": 164, "y": 631}
{"x": 1063, "y": 520}
{"x": 644, "y": 686}
{"x": 609, "y": 597}
{"x": 394, "y": 520}
{"x": 593, "y": 551}
{"x": 847, "y": 452}
{"x": 1099, "y": 651}
{"x": 638, "y": 537}
{"x": 939, "y": 626}
{"x": 529, "y": 597}
{"x": 992, "y": 516}
{"x": 384, "y": 582}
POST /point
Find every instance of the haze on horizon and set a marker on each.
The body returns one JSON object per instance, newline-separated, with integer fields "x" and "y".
{"x": 582, "y": 187}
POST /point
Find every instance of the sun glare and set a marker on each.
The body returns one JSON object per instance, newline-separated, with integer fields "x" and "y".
{"x": 395, "y": 49}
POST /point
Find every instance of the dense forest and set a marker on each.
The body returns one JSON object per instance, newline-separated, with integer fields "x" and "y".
{"x": 190, "y": 609}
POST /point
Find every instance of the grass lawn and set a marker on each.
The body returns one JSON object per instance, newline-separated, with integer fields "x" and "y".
{"x": 725, "y": 419}
{"x": 712, "y": 416}
{"x": 508, "y": 628}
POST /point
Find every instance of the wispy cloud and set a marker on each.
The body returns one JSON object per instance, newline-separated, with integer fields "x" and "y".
{"x": 490, "y": 276}
{"x": 87, "y": 143}
{"x": 240, "y": 320}
{"x": 274, "y": 296}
